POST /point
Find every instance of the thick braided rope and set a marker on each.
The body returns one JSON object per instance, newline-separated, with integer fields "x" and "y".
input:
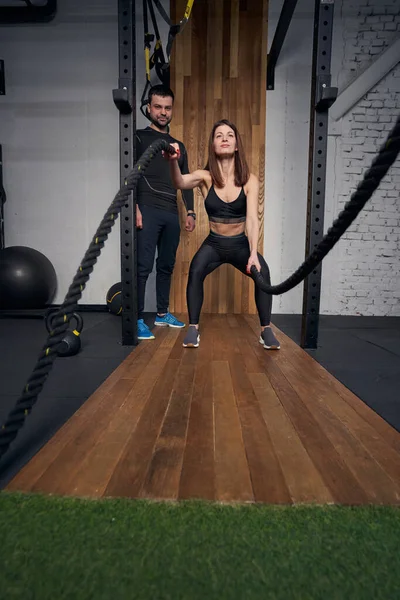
{"x": 372, "y": 178}
{"x": 380, "y": 166}
{"x": 48, "y": 354}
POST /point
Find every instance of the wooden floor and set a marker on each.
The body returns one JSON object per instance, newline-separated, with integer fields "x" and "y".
{"x": 229, "y": 421}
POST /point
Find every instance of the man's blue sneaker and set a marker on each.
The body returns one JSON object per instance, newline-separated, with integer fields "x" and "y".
{"x": 144, "y": 332}
{"x": 168, "y": 320}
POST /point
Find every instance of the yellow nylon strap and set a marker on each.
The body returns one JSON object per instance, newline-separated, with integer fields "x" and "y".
{"x": 147, "y": 60}
{"x": 188, "y": 10}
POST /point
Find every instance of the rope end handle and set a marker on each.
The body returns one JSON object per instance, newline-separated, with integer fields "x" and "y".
{"x": 253, "y": 270}
{"x": 171, "y": 150}
{"x": 259, "y": 279}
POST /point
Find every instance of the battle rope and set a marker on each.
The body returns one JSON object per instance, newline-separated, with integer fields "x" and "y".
{"x": 372, "y": 178}
{"x": 48, "y": 354}
{"x": 369, "y": 184}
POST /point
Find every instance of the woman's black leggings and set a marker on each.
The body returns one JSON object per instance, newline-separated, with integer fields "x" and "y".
{"x": 215, "y": 251}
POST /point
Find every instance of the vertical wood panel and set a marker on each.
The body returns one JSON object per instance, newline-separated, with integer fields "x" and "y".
{"x": 218, "y": 71}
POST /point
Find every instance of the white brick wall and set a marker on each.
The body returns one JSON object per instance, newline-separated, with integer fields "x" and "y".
{"x": 369, "y": 26}
{"x": 361, "y": 275}
{"x": 367, "y": 269}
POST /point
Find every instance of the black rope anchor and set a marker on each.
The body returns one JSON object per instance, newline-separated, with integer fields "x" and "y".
{"x": 60, "y": 320}
{"x": 365, "y": 189}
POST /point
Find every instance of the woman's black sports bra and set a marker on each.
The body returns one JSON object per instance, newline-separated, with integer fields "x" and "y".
{"x": 220, "y": 211}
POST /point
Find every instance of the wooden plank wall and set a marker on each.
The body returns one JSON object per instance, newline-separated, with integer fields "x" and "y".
{"x": 219, "y": 71}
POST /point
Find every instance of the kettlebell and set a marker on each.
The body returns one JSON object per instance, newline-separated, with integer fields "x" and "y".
{"x": 71, "y": 342}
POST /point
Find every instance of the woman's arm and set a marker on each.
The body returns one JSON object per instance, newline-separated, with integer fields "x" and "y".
{"x": 252, "y": 225}
{"x": 186, "y": 182}
{"x": 183, "y": 182}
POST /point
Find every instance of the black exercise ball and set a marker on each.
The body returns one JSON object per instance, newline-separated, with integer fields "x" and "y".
{"x": 114, "y": 299}
{"x": 27, "y": 278}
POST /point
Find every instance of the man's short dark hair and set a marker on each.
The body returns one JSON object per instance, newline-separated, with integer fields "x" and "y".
{"x": 161, "y": 90}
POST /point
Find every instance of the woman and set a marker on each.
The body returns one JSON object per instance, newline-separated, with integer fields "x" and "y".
{"x": 230, "y": 195}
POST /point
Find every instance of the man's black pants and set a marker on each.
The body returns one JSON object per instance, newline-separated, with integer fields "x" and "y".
{"x": 161, "y": 230}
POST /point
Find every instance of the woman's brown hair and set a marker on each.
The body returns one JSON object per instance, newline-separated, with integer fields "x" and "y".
{"x": 242, "y": 172}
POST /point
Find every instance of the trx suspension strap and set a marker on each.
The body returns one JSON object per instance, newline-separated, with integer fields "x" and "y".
{"x": 157, "y": 59}
{"x": 148, "y": 38}
{"x": 173, "y": 29}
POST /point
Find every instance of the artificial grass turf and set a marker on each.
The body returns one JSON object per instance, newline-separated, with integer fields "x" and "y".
{"x": 63, "y": 548}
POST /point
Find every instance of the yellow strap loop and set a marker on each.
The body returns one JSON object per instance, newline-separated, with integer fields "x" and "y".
{"x": 188, "y": 9}
{"x": 147, "y": 59}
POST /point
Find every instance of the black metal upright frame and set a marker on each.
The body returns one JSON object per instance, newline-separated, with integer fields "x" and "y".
{"x": 125, "y": 100}
{"x": 322, "y": 97}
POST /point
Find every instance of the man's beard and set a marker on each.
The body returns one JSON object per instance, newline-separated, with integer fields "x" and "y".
{"x": 157, "y": 124}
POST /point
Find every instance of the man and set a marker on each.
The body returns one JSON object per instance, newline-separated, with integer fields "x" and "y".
{"x": 157, "y": 217}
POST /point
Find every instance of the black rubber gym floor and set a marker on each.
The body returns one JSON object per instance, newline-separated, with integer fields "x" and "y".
{"x": 362, "y": 352}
